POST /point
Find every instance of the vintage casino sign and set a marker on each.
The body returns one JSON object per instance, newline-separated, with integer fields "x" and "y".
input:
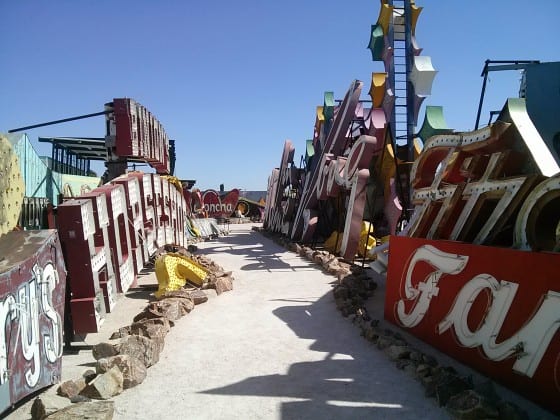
{"x": 495, "y": 309}
{"x": 471, "y": 186}
{"x": 280, "y": 203}
{"x": 32, "y": 293}
{"x": 108, "y": 236}
{"x": 219, "y": 207}
{"x": 135, "y": 133}
{"x": 338, "y": 168}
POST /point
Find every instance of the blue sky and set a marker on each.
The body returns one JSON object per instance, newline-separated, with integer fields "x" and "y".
{"x": 232, "y": 80}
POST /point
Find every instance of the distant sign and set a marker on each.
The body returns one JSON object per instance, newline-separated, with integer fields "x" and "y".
{"x": 217, "y": 207}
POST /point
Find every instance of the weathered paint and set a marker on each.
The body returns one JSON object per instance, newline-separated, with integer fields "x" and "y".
{"x": 495, "y": 309}
{"x": 138, "y": 134}
{"x": 32, "y": 294}
{"x": 85, "y": 264}
{"x": 470, "y": 186}
{"x": 108, "y": 236}
{"x": 219, "y": 207}
{"x": 42, "y": 182}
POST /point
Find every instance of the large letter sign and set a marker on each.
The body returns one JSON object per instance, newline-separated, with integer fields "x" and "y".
{"x": 32, "y": 292}
{"x": 496, "y": 309}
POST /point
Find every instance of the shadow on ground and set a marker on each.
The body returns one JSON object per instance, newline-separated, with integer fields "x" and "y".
{"x": 251, "y": 245}
{"x": 346, "y": 382}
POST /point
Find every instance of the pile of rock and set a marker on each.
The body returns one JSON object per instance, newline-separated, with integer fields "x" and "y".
{"x": 458, "y": 394}
{"x": 123, "y": 365}
{"x": 329, "y": 262}
{"x": 217, "y": 279}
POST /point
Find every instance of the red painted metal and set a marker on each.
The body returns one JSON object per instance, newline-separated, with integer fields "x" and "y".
{"x": 138, "y": 134}
{"x": 126, "y": 120}
{"x": 494, "y": 309}
{"x": 84, "y": 261}
{"x": 109, "y": 234}
{"x": 220, "y": 207}
{"x": 32, "y": 294}
{"x": 119, "y": 236}
{"x": 135, "y": 223}
{"x": 107, "y": 276}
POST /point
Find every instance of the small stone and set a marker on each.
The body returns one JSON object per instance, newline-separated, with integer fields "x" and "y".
{"x": 396, "y": 352}
{"x": 371, "y": 334}
{"x": 102, "y": 350}
{"x": 181, "y": 293}
{"x": 133, "y": 370}
{"x": 79, "y": 398}
{"x": 144, "y": 349}
{"x": 99, "y": 410}
{"x": 410, "y": 369}
{"x": 415, "y": 355}
{"x": 120, "y": 333}
{"x": 340, "y": 292}
{"x": 185, "y": 305}
{"x": 510, "y": 411}
{"x": 89, "y": 375}
{"x": 223, "y": 284}
{"x": 469, "y": 405}
{"x": 383, "y": 342}
{"x": 168, "y": 308}
{"x": 198, "y": 296}
{"x": 423, "y": 370}
{"x": 488, "y": 391}
{"x": 448, "y": 385}
{"x": 429, "y": 360}
{"x": 402, "y": 363}
{"x": 141, "y": 327}
{"x": 68, "y": 389}
{"x": 38, "y": 410}
{"x": 105, "y": 386}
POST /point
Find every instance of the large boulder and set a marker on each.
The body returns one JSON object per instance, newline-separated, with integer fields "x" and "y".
{"x": 98, "y": 410}
{"x": 223, "y": 284}
{"x": 152, "y": 328}
{"x": 145, "y": 349}
{"x": 105, "y": 386}
{"x": 170, "y": 308}
{"x": 198, "y": 296}
{"x": 71, "y": 388}
{"x": 133, "y": 370}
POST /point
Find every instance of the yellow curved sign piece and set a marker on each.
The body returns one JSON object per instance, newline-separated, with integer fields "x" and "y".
{"x": 319, "y": 120}
{"x": 377, "y": 89}
{"x": 385, "y": 17}
{"x": 173, "y": 270}
{"x": 415, "y": 12}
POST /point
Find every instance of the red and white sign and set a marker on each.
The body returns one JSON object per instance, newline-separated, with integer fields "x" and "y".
{"x": 217, "y": 207}
{"x": 495, "y": 309}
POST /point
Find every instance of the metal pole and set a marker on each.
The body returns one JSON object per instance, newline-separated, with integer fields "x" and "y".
{"x": 485, "y": 73}
{"x": 95, "y": 114}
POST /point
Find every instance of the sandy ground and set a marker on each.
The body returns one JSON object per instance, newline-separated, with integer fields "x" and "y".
{"x": 273, "y": 348}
